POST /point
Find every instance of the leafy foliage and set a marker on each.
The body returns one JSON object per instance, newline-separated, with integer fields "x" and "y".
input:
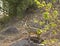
{"x": 36, "y": 21}
{"x": 39, "y": 31}
{"x": 49, "y": 14}
{"x": 52, "y": 24}
{"x": 54, "y": 32}
{"x": 48, "y": 22}
{"x": 46, "y": 15}
{"x": 17, "y": 7}
{"x": 52, "y": 41}
{"x": 41, "y": 23}
{"x": 48, "y": 6}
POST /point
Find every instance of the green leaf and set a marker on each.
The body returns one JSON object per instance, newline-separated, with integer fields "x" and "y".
{"x": 54, "y": 32}
{"x": 37, "y": 2}
{"x": 45, "y": 41}
{"x": 39, "y": 31}
{"x": 46, "y": 15}
{"x": 53, "y": 24}
{"x": 36, "y": 21}
{"x": 53, "y": 40}
{"x": 55, "y": 12}
{"x": 41, "y": 23}
{"x": 47, "y": 27}
{"x": 48, "y": 7}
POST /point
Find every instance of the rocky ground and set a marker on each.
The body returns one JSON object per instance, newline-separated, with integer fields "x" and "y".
{"x": 16, "y": 33}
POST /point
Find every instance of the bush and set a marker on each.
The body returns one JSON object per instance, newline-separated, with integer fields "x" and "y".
{"x": 17, "y": 7}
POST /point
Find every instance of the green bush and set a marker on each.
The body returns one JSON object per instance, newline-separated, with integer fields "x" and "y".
{"x": 17, "y": 7}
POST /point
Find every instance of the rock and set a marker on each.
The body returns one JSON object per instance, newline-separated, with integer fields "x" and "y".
{"x": 20, "y": 43}
{"x": 36, "y": 40}
{"x": 24, "y": 42}
{"x": 33, "y": 44}
{"x": 10, "y": 31}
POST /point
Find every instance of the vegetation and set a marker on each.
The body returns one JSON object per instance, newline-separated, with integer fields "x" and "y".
{"x": 18, "y": 6}
{"x": 49, "y": 14}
